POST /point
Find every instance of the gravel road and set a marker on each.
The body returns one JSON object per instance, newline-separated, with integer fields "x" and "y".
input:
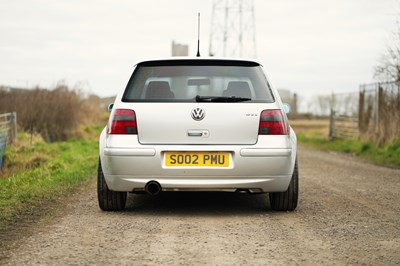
{"x": 349, "y": 214}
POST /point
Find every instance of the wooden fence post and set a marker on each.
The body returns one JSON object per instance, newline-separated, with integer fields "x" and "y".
{"x": 14, "y": 127}
{"x": 12, "y": 119}
{"x": 381, "y": 104}
{"x": 361, "y": 122}
{"x": 380, "y": 127}
{"x": 332, "y": 125}
{"x": 294, "y": 105}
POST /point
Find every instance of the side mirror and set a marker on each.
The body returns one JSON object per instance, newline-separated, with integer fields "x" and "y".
{"x": 286, "y": 108}
{"x": 110, "y": 107}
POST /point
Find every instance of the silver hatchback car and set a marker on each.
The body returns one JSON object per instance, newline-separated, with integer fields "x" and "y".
{"x": 198, "y": 124}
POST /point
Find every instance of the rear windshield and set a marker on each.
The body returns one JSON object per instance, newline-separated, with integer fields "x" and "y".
{"x": 191, "y": 82}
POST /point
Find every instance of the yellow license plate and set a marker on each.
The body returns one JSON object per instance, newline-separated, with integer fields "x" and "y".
{"x": 197, "y": 159}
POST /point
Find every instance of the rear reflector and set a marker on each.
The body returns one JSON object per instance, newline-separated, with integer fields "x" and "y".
{"x": 123, "y": 122}
{"x": 273, "y": 122}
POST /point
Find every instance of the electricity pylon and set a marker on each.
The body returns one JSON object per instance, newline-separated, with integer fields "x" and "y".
{"x": 232, "y": 31}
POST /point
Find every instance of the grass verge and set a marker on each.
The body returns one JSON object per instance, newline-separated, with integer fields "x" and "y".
{"x": 36, "y": 173}
{"x": 315, "y": 134}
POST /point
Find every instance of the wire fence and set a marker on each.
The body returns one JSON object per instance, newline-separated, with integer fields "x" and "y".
{"x": 379, "y": 111}
{"x": 373, "y": 113}
{"x": 344, "y": 115}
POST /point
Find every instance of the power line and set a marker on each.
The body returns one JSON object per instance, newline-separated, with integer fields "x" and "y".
{"x": 232, "y": 31}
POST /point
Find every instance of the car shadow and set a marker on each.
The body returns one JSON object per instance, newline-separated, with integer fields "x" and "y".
{"x": 197, "y": 203}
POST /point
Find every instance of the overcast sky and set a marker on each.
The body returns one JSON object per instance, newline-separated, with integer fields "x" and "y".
{"x": 309, "y": 46}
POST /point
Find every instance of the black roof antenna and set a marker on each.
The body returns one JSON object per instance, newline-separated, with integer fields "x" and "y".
{"x": 198, "y": 35}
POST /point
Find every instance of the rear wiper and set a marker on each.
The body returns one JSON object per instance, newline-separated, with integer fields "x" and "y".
{"x": 221, "y": 99}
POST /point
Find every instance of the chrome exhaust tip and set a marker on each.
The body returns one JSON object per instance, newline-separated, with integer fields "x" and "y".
{"x": 153, "y": 188}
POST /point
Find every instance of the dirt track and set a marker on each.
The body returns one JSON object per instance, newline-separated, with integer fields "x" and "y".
{"x": 349, "y": 213}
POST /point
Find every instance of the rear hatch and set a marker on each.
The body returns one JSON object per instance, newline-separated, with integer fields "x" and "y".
{"x": 223, "y": 123}
{"x": 198, "y": 101}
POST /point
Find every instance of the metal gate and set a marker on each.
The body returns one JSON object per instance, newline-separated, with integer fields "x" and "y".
{"x": 8, "y": 132}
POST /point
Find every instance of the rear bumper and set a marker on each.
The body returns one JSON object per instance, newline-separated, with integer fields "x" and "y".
{"x": 253, "y": 169}
{"x": 253, "y": 185}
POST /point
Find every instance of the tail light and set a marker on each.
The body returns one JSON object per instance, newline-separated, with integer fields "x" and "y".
{"x": 123, "y": 122}
{"x": 273, "y": 122}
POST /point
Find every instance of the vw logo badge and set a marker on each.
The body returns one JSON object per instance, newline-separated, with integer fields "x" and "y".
{"x": 198, "y": 114}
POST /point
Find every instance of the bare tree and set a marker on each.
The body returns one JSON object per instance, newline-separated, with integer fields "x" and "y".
{"x": 323, "y": 104}
{"x": 388, "y": 68}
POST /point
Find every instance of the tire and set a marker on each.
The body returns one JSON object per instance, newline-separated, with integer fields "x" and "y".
{"x": 287, "y": 201}
{"x": 108, "y": 200}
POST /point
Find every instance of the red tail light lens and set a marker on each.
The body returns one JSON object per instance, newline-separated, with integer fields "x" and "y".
{"x": 123, "y": 122}
{"x": 273, "y": 122}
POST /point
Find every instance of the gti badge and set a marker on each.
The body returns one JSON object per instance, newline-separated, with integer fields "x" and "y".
{"x": 198, "y": 114}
